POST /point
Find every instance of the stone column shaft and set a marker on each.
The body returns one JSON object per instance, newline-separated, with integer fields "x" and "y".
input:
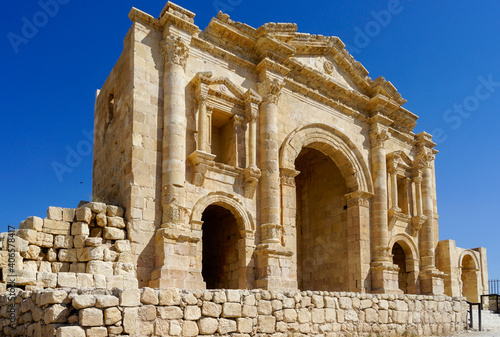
{"x": 380, "y": 220}
{"x": 394, "y": 189}
{"x": 269, "y": 163}
{"x": 418, "y": 192}
{"x": 427, "y": 234}
{"x": 174, "y": 122}
{"x": 202, "y": 125}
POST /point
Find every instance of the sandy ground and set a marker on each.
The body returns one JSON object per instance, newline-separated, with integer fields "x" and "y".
{"x": 490, "y": 333}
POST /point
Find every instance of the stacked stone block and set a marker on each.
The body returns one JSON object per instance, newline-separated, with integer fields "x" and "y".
{"x": 242, "y": 313}
{"x": 85, "y": 247}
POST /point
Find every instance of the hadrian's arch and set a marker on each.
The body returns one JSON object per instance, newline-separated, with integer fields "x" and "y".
{"x": 405, "y": 256}
{"x": 325, "y": 189}
{"x": 227, "y": 241}
{"x": 469, "y": 267}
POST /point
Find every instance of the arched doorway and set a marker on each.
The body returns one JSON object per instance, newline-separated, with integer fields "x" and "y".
{"x": 321, "y": 223}
{"x": 469, "y": 279}
{"x": 220, "y": 262}
{"x": 399, "y": 259}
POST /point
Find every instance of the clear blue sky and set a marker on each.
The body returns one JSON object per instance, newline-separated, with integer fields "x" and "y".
{"x": 436, "y": 53}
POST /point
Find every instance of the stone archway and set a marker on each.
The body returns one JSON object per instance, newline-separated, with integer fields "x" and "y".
{"x": 468, "y": 276}
{"x": 227, "y": 245}
{"x": 405, "y": 256}
{"x": 341, "y": 156}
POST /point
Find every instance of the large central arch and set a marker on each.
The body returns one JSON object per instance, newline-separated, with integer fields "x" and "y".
{"x": 333, "y": 144}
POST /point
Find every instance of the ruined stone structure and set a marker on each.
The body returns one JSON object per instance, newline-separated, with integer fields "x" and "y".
{"x": 264, "y": 160}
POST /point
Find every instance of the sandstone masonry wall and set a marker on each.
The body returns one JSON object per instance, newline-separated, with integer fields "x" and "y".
{"x": 171, "y": 312}
{"x": 85, "y": 247}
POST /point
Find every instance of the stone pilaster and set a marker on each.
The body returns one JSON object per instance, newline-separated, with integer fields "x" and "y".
{"x": 358, "y": 237}
{"x": 383, "y": 273}
{"x": 431, "y": 279}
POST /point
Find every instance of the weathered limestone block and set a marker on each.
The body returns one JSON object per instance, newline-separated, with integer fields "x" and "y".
{"x": 169, "y": 296}
{"x": 93, "y": 242}
{"x": 66, "y": 280}
{"x": 189, "y": 329}
{"x": 112, "y": 316}
{"x": 226, "y": 326}
{"x": 100, "y": 267}
{"x": 130, "y": 317}
{"x": 211, "y": 309}
{"x": 147, "y": 313}
{"x": 47, "y": 280}
{"x": 116, "y": 221}
{"x": 83, "y": 214}
{"x": 33, "y": 222}
{"x": 110, "y": 256}
{"x": 208, "y": 326}
{"x": 149, "y": 296}
{"x": 264, "y": 307}
{"x": 170, "y": 312}
{"x": 111, "y": 233}
{"x": 105, "y": 301}
{"x": 83, "y": 301}
{"x": 90, "y": 253}
{"x": 245, "y": 325}
{"x": 77, "y": 267}
{"x": 56, "y": 313}
{"x": 19, "y": 276}
{"x": 44, "y": 240}
{"x": 112, "y": 210}
{"x": 51, "y": 297}
{"x": 55, "y": 213}
{"x": 290, "y": 315}
{"x": 56, "y": 227}
{"x": 63, "y": 241}
{"x": 80, "y": 228}
{"x": 91, "y": 317}
{"x": 68, "y": 214}
{"x": 122, "y": 245}
{"x": 70, "y": 331}
{"x": 192, "y": 313}
{"x": 68, "y": 255}
{"x": 32, "y": 253}
{"x": 97, "y": 332}
{"x": 84, "y": 281}
{"x": 231, "y": 309}
{"x": 266, "y": 324}
{"x": 233, "y": 295}
{"x": 101, "y": 220}
{"x": 96, "y": 207}
{"x": 130, "y": 298}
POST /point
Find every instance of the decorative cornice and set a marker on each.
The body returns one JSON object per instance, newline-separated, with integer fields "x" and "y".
{"x": 174, "y": 51}
{"x": 270, "y": 90}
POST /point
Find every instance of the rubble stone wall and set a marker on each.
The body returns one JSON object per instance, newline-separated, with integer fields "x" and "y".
{"x": 84, "y": 247}
{"x": 171, "y": 312}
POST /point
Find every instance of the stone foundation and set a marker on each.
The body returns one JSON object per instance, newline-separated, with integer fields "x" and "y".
{"x": 171, "y": 312}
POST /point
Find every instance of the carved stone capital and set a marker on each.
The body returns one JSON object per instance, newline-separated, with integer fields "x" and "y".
{"x": 174, "y": 51}
{"x": 358, "y": 198}
{"x": 270, "y": 90}
{"x": 287, "y": 176}
{"x": 237, "y": 120}
{"x": 251, "y": 115}
{"x": 271, "y": 233}
{"x": 417, "y": 222}
{"x": 174, "y": 216}
{"x": 424, "y": 159}
{"x": 377, "y": 139}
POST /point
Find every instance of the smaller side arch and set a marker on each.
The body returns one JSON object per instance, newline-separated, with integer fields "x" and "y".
{"x": 470, "y": 253}
{"x": 469, "y": 267}
{"x": 409, "y": 265}
{"x": 243, "y": 217}
{"x": 406, "y": 242}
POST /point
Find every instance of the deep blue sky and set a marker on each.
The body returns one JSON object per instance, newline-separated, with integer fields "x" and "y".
{"x": 436, "y": 53}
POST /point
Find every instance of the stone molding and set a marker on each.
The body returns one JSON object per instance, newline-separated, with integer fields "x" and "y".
{"x": 174, "y": 51}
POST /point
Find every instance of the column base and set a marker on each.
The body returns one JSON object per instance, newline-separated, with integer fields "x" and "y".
{"x": 385, "y": 278}
{"x": 431, "y": 282}
{"x": 175, "y": 268}
{"x": 274, "y": 268}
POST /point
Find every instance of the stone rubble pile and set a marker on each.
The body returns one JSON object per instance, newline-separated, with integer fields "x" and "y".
{"x": 240, "y": 313}
{"x": 86, "y": 247}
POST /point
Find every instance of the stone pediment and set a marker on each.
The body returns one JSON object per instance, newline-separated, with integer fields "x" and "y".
{"x": 328, "y": 68}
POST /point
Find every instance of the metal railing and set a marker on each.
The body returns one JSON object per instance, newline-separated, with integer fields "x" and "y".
{"x": 492, "y": 298}
{"x": 471, "y": 316}
{"x": 494, "y": 286}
